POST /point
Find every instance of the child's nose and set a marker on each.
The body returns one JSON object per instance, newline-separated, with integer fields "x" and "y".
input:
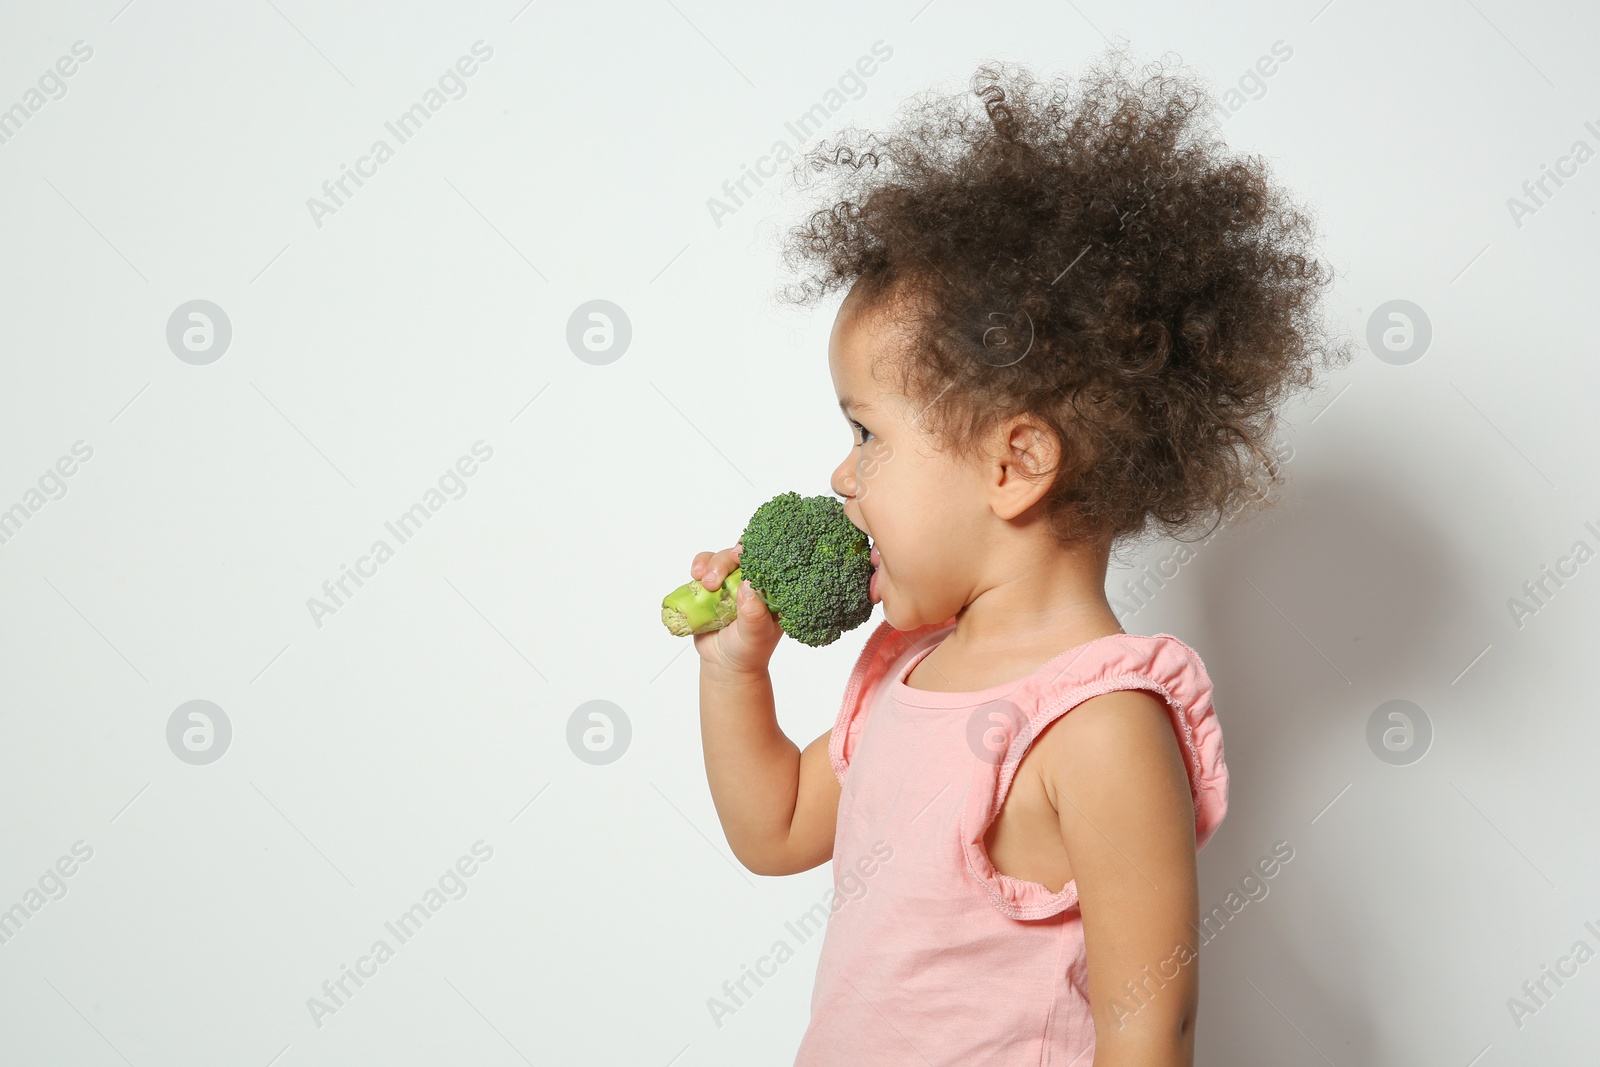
{"x": 843, "y": 482}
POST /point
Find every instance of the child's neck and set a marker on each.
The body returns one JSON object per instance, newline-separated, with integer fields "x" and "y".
{"x": 1043, "y": 600}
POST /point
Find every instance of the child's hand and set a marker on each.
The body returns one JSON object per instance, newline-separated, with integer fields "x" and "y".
{"x": 745, "y": 645}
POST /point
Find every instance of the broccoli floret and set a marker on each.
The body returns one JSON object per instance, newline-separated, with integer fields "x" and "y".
{"x": 808, "y": 561}
{"x": 811, "y": 564}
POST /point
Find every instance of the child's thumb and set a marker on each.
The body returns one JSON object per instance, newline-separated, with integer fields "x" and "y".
{"x": 751, "y": 606}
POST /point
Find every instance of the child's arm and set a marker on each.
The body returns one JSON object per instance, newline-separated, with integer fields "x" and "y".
{"x": 777, "y": 805}
{"x": 1116, "y": 777}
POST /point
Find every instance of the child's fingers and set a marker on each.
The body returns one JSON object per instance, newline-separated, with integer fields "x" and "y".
{"x": 712, "y": 567}
{"x": 722, "y": 565}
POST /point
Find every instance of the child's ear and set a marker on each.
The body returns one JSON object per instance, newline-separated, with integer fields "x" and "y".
{"x": 1022, "y": 473}
{"x": 1032, "y": 448}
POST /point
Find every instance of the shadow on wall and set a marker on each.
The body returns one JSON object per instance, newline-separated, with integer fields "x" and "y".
{"x": 1342, "y": 597}
{"x": 1313, "y": 614}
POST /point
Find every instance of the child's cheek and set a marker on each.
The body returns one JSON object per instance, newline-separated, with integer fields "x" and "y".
{"x": 875, "y": 459}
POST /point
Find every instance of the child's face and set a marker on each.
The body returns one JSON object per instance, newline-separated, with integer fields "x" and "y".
{"x": 923, "y": 510}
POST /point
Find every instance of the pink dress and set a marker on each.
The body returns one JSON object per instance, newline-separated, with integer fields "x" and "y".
{"x": 932, "y": 957}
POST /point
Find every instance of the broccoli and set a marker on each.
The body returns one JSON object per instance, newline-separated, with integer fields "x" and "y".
{"x": 807, "y": 561}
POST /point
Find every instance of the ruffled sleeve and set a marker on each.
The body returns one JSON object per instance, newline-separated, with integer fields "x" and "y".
{"x": 1161, "y": 664}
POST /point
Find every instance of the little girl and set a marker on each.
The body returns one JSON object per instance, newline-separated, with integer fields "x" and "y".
{"x": 1070, "y": 320}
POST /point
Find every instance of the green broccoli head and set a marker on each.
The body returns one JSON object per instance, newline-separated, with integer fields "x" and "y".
{"x": 806, "y": 559}
{"x": 811, "y": 565}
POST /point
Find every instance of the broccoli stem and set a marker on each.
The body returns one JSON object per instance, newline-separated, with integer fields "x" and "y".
{"x": 693, "y": 609}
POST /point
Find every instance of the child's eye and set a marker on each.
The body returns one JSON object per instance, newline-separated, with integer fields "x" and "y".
{"x": 862, "y": 431}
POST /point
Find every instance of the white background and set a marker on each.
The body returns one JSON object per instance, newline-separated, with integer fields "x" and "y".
{"x": 370, "y": 352}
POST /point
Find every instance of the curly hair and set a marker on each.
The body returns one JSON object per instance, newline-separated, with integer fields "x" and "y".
{"x": 1091, "y": 258}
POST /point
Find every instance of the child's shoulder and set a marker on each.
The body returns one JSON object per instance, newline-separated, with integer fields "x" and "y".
{"x": 1120, "y": 696}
